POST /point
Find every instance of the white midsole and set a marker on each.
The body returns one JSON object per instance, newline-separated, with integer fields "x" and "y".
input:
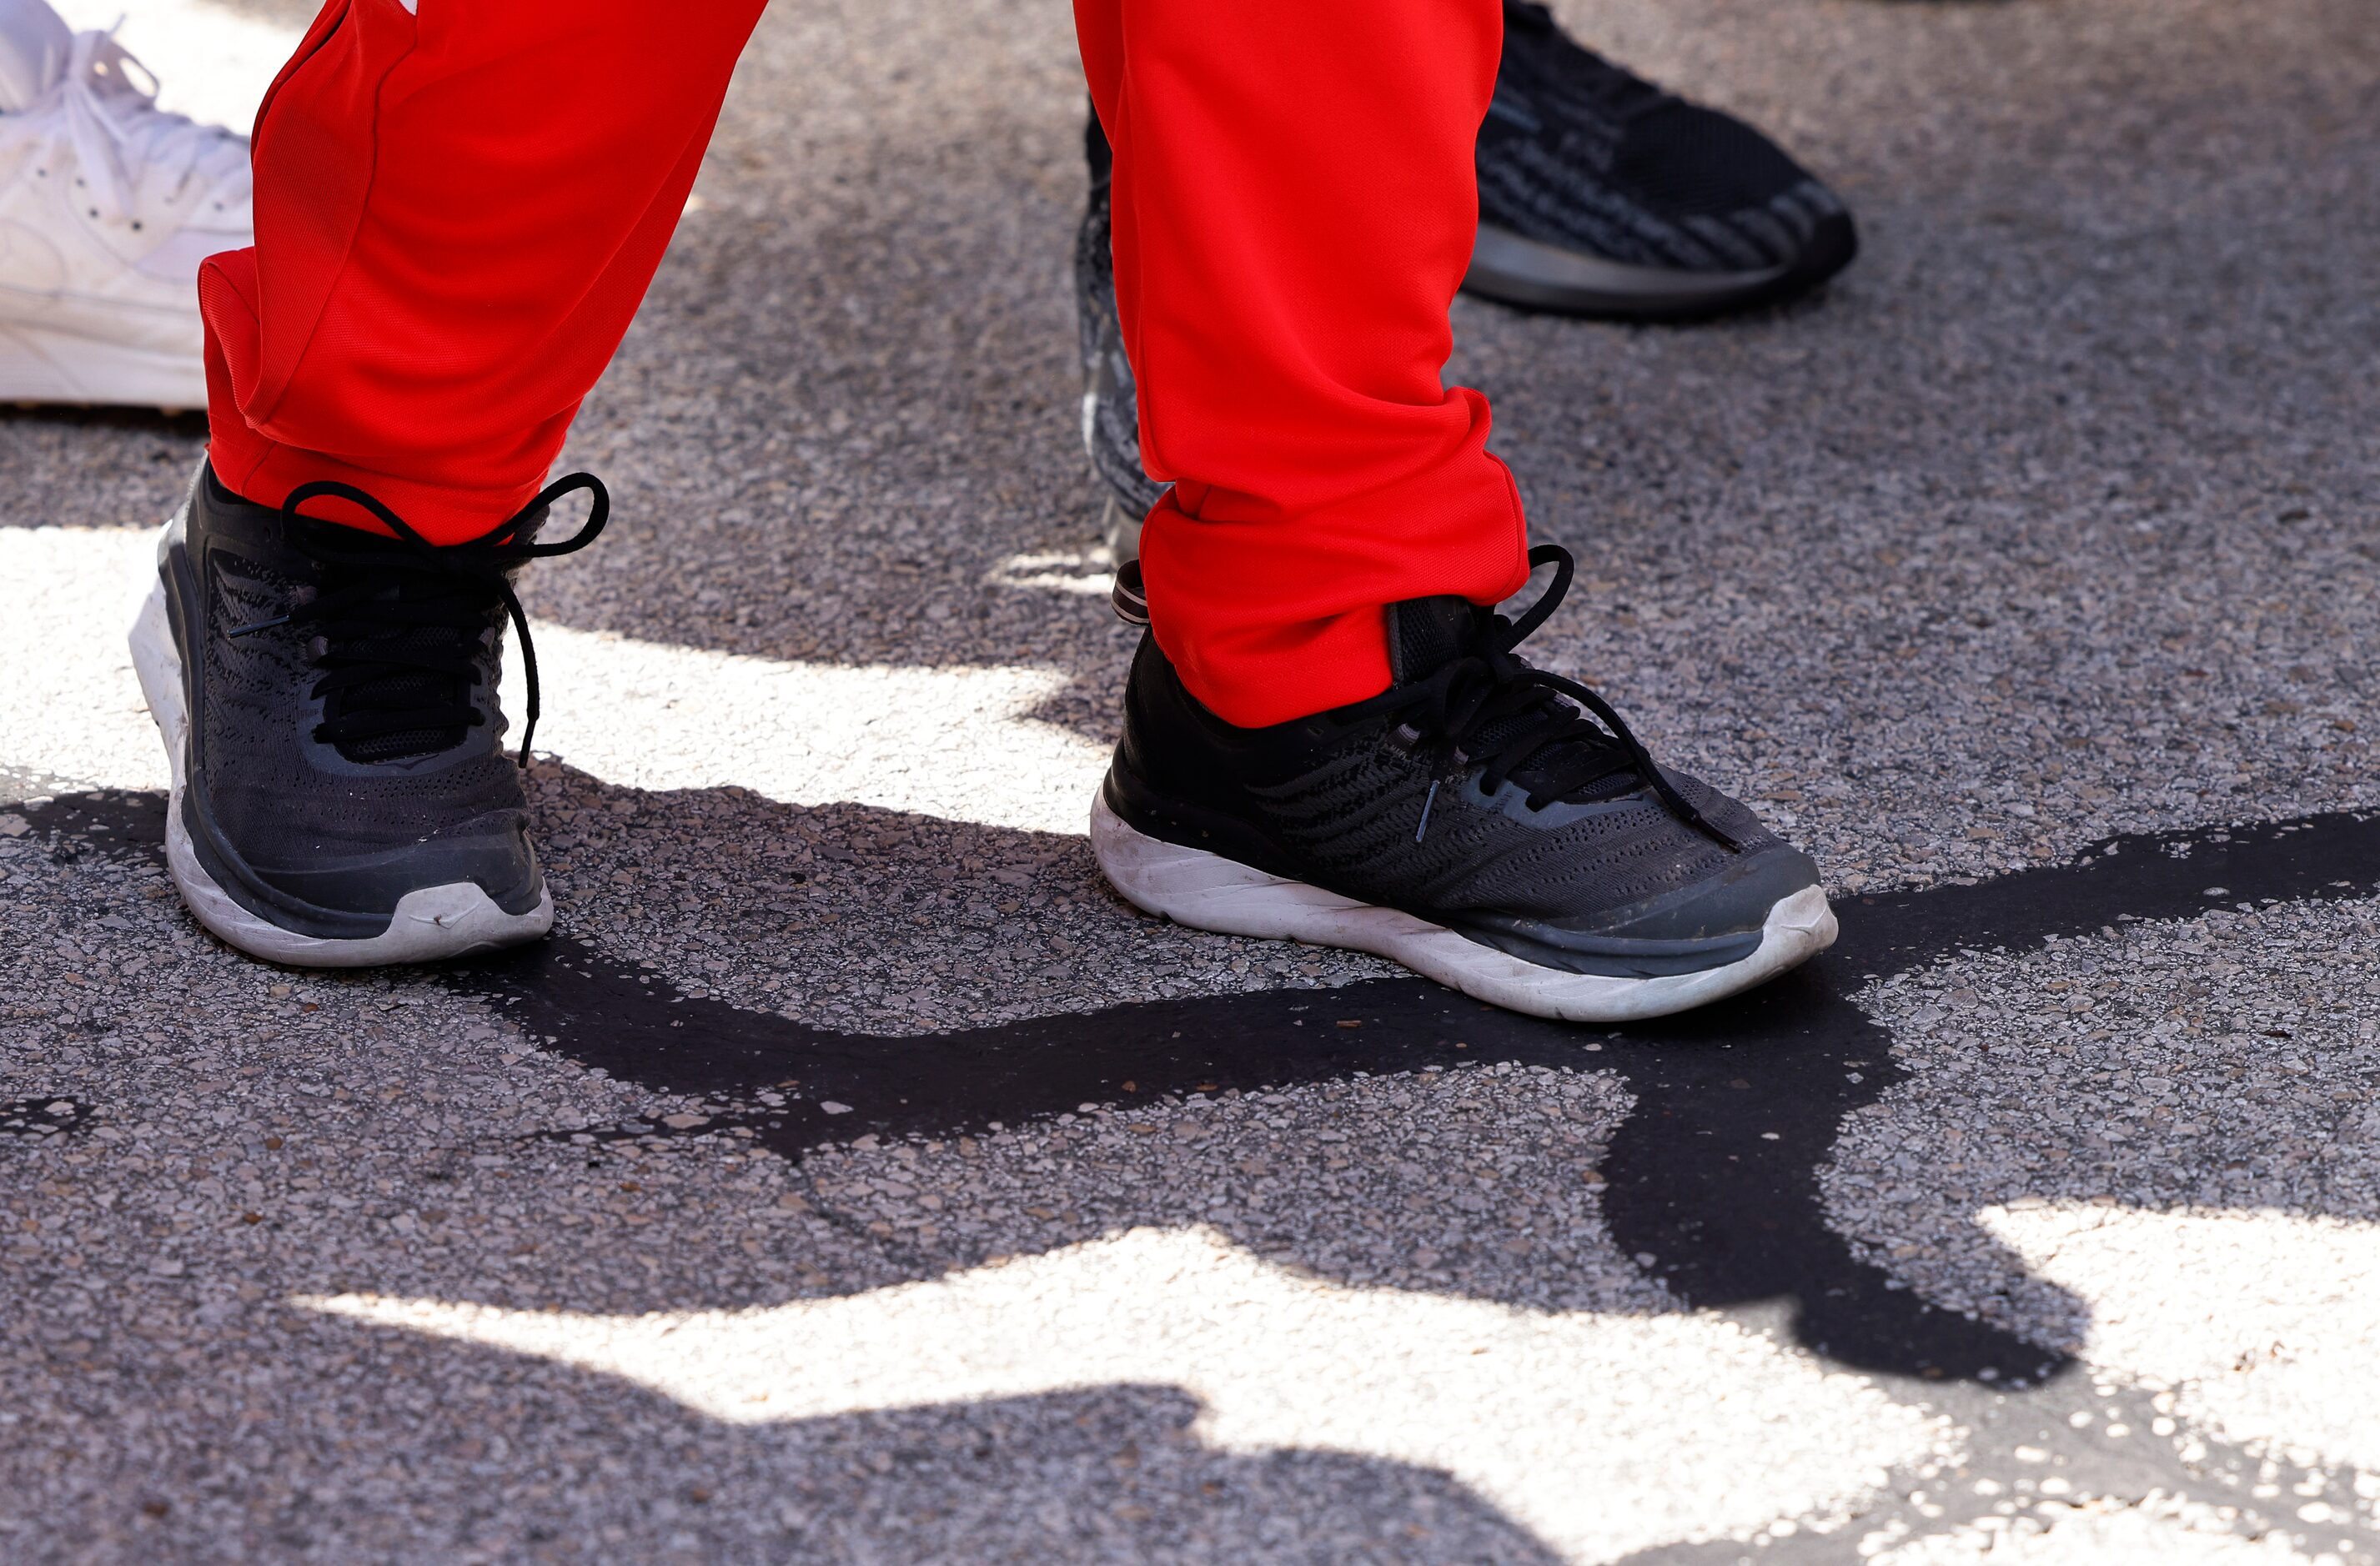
{"x": 1193, "y": 887}
{"x": 430, "y": 924}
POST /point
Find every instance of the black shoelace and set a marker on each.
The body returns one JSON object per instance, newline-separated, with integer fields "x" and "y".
{"x": 397, "y": 636}
{"x": 1488, "y": 707}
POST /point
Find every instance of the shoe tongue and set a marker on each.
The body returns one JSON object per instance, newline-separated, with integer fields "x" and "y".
{"x": 1569, "y": 758}
{"x": 35, "y": 41}
{"x": 402, "y": 689}
{"x": 399, "y": 691}
{"x": 1426, "y": 634}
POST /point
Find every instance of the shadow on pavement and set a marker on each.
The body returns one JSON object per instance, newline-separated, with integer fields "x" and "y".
{"x": 1711, "y": 1181}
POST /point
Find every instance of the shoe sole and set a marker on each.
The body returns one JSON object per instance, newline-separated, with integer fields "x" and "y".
{"x": 1529, "y": 275}
{"x": 1192, "y": 886}
{"x": 430, "y": 924}
{"x": 38, "y": 366}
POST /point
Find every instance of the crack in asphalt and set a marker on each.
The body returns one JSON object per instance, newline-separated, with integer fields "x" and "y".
{"x": 1714, "y": 1176}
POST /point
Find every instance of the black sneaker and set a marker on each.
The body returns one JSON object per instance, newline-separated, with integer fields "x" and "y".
{"x": 1469, "y": 823}
{"x": 329, "y": 700}
{"x": 1600, "y": 194}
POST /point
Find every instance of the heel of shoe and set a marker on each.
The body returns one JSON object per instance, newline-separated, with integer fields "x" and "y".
{"x": 1203, "y": 890}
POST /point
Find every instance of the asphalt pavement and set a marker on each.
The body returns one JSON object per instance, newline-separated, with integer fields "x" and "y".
{"x": 854, "y": 1178}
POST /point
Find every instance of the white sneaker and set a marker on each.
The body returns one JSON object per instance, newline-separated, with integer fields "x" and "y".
{"x": 107, "y": 206}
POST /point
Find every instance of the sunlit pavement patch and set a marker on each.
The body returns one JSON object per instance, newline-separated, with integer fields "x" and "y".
{"x": 69, "y": 703}
{"x": 957, "y": 744}
{"x": 1711, "y": 1181}
{"x": 2259, "y": 1323}
{"x": 1709, "y": 1184}
{"x": 1559, "y": 1420}
{"x": 2169, "y": 1532}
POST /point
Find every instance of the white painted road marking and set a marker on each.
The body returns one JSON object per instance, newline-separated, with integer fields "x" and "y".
{"x": 957, "y": 744}
{"x": 1576, "y": 1425}
{"x": 2262, "y": 1322}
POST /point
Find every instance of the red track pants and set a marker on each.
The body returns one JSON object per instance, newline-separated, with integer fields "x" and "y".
{"x": 458, "y": 212}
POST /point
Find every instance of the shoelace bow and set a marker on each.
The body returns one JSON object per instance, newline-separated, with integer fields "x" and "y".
{"x": 370, "y": 625}
{"x": 1489, "y": 690}
{"x": 117, "y": 130}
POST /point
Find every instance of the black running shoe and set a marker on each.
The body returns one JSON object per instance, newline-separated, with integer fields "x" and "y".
{"x": 1600, "y": 194}
{"x": 328, "y": 698}
{"x": 1470, "y": 822}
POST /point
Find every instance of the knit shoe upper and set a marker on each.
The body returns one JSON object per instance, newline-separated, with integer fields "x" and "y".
{"x": 1578, "y": 153}
{"x": 341, "y": 742}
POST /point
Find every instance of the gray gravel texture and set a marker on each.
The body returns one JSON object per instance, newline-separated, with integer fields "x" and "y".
{"x": 2222, "y": 1065}
{"x": 2051, "y": 519}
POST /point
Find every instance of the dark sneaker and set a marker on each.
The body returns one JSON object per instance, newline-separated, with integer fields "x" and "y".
{"x": 1600, "y": 194}
{"x": 1110, "y": 411}
{"x": 1469, "y": 823}
{"x": 329, "y": 699}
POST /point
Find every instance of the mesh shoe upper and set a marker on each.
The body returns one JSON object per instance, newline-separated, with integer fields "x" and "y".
{"x": 1356, "y": 820}
{"x": 1473, "y": 793}
{"x": 280, "y": 796}
{"x": 344, "y": 741}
